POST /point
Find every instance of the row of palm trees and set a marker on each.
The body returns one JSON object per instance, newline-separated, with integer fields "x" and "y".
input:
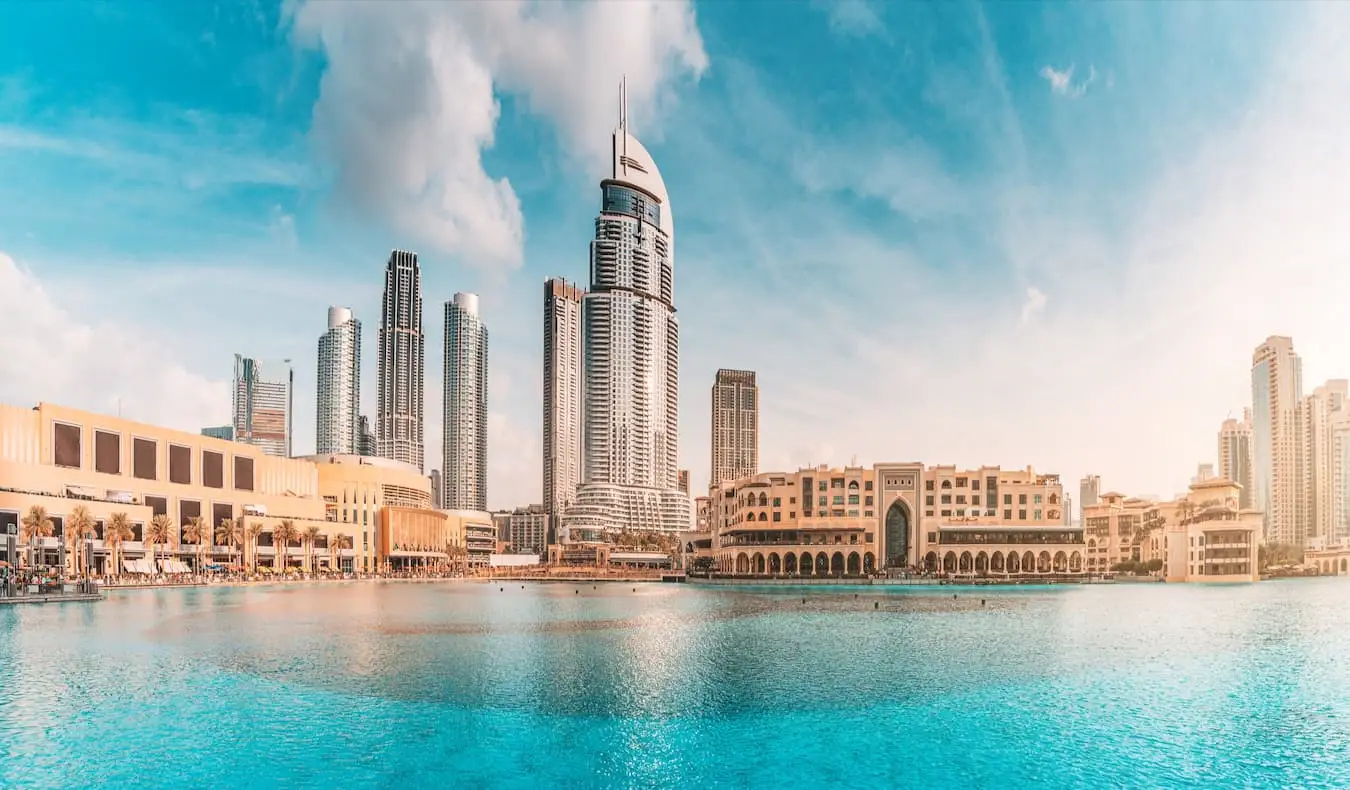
{"x": 237, "y": 534}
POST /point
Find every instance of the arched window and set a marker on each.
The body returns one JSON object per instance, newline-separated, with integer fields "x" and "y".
{"x": 763, "y": 500}
{"x": 853, "y": 485}
{"x": 946, "y": 484}
{"x": 763, "y": 516}
{"x": 897, "y": 534}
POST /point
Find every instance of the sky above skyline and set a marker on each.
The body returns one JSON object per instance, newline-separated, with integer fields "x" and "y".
{"x": 1015, "y": 234}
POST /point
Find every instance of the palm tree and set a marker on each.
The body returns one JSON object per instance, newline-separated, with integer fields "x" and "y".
{"x": 282, "y": 534}
{"x": 160, "y": 532}
{"x": 230, "y": 534}
{"x": 117, "y": 529}
{"x": 336, "y": 544}
{"x": 251, "y": 533}
{"x": 195, "y": 532}
{"x": 79, "y": 525}
{"x": 35, "y": 525}
{"x": 311, "y": 537}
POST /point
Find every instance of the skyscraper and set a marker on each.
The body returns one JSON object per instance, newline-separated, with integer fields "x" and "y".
{"x": 1277, "y": 454}
{"x": 1340, "y": 476}
{"x": 1235, "y": 457}
{"x": 464, "y": 429}
{"x": 337, "y": 426}
{"x": 684, "y": 481}
{"x": 436, "y": 488}
{"x": 1319, "y": 411}
{"x": 735, "y": 426}
{"x": 398, "y": 419}
{"x": 563, "y": 371}
{"x": 262, "y": 404}
{"x": 365, "y": 441}
{"x": 632, "y": 356}
{"x": 1089, "y": 491}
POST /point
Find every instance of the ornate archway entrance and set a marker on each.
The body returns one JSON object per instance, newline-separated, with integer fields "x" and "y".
{"x": 897, "y": 534}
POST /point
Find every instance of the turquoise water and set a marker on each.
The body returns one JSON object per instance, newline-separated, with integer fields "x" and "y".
{"x": 463, "y": 685}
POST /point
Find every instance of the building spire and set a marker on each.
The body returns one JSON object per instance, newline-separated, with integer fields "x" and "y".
{"x": 623, "y": 103}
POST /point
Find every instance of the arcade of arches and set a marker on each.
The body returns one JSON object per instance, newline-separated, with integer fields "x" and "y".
{"x": 825, "y": 562}
{"x": 1001, "y": 561}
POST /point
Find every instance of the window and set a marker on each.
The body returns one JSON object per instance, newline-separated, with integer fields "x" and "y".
{"x": 1007, "y": 499}
{"x": 159, "y": 506}
{"x": 824, "y": 486}
{"x": 107, "y": 452}
{"x": 777, "y": 515}
{"x": 180, "y": 464}
{"x": 838, "y": 499}
{"x": 213, "y": 469}
{"x": 946, "y": 512}
{"x": 188, "y": 509}
{"x": 143, "y": 459}
{"x": 853, "y": 499}
{"x": 975, "y": 484}
{"x": 867, "y": 501}
{"x": 1021, "y": 499}
{"x": 777, "y": 501}
{"x": 66, "y": 441}
{"x": 928, "y": 513}
{"x": 221, "y": 513}
{"x": 928, "y": 485}
{"x": 1007, "y": 515}
{"x": 928, "y": 500}
{"x": 853, "y": 514}
{"x": 809, "y": 500}
{"x": 1022, "y": 515}
{"x": 867, "y": 485}
{"x": 243, "y": 473}
{"x": 792, "y": 500}
{"x": 960, "y": 499}
{"x": 868, "y": 514}
{"x": 792, "y": 514}
{"x": 1037, "y": 515}
{"x": 960, "y": 482}
{"x": 946, "y": 499}
{"x": 1038, "y": 499}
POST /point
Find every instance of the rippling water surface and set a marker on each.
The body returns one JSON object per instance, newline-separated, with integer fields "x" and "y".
{"x": 465, "y": 685}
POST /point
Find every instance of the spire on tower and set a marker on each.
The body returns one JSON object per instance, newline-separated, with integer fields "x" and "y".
{"x": 623, "y": 103}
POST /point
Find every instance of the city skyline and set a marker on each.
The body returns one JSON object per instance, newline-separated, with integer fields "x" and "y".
{"x": 1087, "y": 189}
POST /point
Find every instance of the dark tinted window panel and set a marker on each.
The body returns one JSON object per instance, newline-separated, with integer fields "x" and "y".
{"x": 107, "y": 453}
{"x": 221, "y": 513}
{"x": 180, "y": 464}
{"x": 58, "y": 524}
{"x": 138, "y": 532}
{"x": 243, "y": 473}
{"x": 67, "y": 445}
{"x": 158, "y": 505}
{"x": 188, "y": 509}
{"x": 213, "y": 469}
{"x": 143, "y": 459}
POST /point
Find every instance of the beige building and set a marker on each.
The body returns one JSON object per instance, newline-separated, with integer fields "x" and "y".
{"x": 1212, "y": 539}
{"x": 1235, "y": 454}
{"x": 1115, "y": 530}
{"x": 735, "y": 426}
{"x": 1278, "y": 462}
{"x": 1321, "y": 413}
{"x": 59, "y": 458}
{"x": 856, "y": 520}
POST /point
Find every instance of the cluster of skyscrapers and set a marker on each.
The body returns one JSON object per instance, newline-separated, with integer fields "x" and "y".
{"x": 263, "y": 391}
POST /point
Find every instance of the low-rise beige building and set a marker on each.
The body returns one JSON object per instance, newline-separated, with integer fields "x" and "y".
{"x": 1212, "y": 539}
{"x": 1117, "y": 529}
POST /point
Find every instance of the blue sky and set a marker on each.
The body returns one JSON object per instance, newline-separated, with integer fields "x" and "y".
{"x": 1016, "y": 233}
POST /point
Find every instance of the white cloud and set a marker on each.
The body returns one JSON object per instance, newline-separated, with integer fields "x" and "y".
{"x": 1061, "y": 82}
{"x": 409, "y": 101}
{"x": 95, "y": 360}
{"x": 1033, "y": 306}
{"x": 851, "y": 17}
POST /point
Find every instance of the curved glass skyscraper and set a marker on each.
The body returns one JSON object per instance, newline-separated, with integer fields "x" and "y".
{"x": 464, "y": 429}
{"x": 337, "y": 429}
{"x": 632, "y": 356}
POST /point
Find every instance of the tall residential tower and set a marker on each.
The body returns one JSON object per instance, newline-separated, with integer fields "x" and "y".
{"x": 464, "y": 428}
{"x": 1320, "y": 411}
{"x": 263, "y": 397}
{"x": 1235, "y": 457}
{"x": 735, "y": 426}
{"x": 1277, "y": 443}
{"x": 338, "y": 425}
{"x": 563, "y": 371}
{"x": 398, "y": 416}
{"x": 632, "y": 355}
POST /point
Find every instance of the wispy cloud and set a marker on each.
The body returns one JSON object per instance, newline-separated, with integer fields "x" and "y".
{"x": 1062, "y": 82}
{"x": 852, "y": 17}
{"x": 1034, "y": 305}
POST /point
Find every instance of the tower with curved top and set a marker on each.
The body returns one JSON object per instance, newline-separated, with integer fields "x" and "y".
{"x": 632, "y": 354}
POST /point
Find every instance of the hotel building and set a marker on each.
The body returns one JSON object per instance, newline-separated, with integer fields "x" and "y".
{"x": 398, "y": 416}
{"x": 1320, "y": 412}
{"x": 338, "y": 420}
{"x": 563, "y": 373}
{"x": 365, "y": 513}
{"x": 1277, "y": 453}
{"x": 1235, "y": 455}
{"x": 263, "y": 393}
{"x": 632, "y": 355}
{"x": 858, "y": 521}
{"x": 465, "y": 406}
{"x": 1212, "y": 539}
{"x": 735, "y": 426}
{"x": 524, "y": 529}
{"x": 1116, "y": 529}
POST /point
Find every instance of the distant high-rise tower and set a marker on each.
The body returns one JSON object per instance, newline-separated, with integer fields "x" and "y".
{"x": 365, "y": 442}
{"x": 632, "y": 355}
{"x": 225, "y": 432}
{"x": 684, "y": 480}
{"x": 735, "y": 426}
{"x": 337, "y": 427}
{"x": 464, "y": 431}
{"x": 1319, "y": 416}
{"x": 1089, "y": 491}
{"x": 1277, "y": 441}
{"x": 563, "y": 372}
{"x": 398, "y": 419}
{"x": 436, "y": 488}
{"x": 262, "y": 404}
{"x": 1235, "y": 457}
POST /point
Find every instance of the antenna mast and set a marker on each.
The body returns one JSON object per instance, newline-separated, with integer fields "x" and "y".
{"x": 623, "y": 103}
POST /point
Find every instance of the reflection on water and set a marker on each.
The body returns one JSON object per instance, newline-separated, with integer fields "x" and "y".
{"x": 664, "y": 684}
